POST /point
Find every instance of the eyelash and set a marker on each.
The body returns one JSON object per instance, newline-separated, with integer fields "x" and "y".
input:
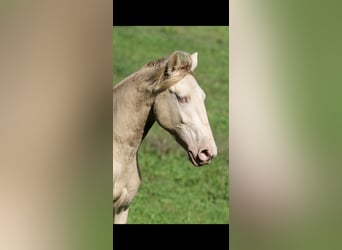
{"x": 183, "y": 99}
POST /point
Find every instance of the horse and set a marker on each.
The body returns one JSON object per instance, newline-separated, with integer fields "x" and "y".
{"x": 166, "y": 91}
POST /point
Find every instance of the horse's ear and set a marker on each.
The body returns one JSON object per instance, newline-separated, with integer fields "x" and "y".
{"x": 174, "y": 63}
{"x": 178, "y": 65}
{"x": 194, "y": 61}
{"x": 180, "y": 61}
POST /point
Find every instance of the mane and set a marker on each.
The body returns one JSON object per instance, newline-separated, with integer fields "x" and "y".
{"x": 157, "y": 63}
{"x": 160, "y": 73}
{"x": 155, "y": 71}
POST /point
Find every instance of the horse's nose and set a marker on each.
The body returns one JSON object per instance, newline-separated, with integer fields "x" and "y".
{"x": 205, "y": 154}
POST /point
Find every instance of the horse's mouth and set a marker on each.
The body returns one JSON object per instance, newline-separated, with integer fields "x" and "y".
{"x": 196, "y": 161}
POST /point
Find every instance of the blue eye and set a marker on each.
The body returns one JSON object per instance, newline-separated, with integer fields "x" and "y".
{"x": 183, "y": 99}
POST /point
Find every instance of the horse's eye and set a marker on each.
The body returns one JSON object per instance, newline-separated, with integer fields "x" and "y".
{"x": 183, "y": 99}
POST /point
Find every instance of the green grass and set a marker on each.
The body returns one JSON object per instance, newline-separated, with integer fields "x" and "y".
{"x": 172, "y": 190}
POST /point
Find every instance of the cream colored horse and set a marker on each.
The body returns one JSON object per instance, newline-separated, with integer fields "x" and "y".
{"x": 167, "y": 92}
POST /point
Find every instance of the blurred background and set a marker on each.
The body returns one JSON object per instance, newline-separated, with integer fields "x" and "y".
{"x": 56, "y": 125}
{"x": 285, "y": 125}
{"x": 172, "y": 190}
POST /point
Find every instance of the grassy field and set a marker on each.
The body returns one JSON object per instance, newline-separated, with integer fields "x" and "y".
{"x": 172, "y": 190}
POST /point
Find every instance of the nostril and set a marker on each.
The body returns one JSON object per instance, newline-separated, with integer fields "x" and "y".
{"x": 205, "y": 155}
{"x": 206, "y": 152}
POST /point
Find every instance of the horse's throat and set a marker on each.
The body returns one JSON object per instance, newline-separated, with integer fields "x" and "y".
{"x": 149, "y": 122}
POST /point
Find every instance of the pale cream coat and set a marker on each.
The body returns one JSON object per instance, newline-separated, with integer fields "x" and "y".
{"x": 164, "y": 91}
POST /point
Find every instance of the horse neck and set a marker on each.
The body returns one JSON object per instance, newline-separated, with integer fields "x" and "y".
{"x": 132, "y": 116}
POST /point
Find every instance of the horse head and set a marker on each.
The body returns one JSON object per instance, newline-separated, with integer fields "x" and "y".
{"x": 179, "y": 108}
